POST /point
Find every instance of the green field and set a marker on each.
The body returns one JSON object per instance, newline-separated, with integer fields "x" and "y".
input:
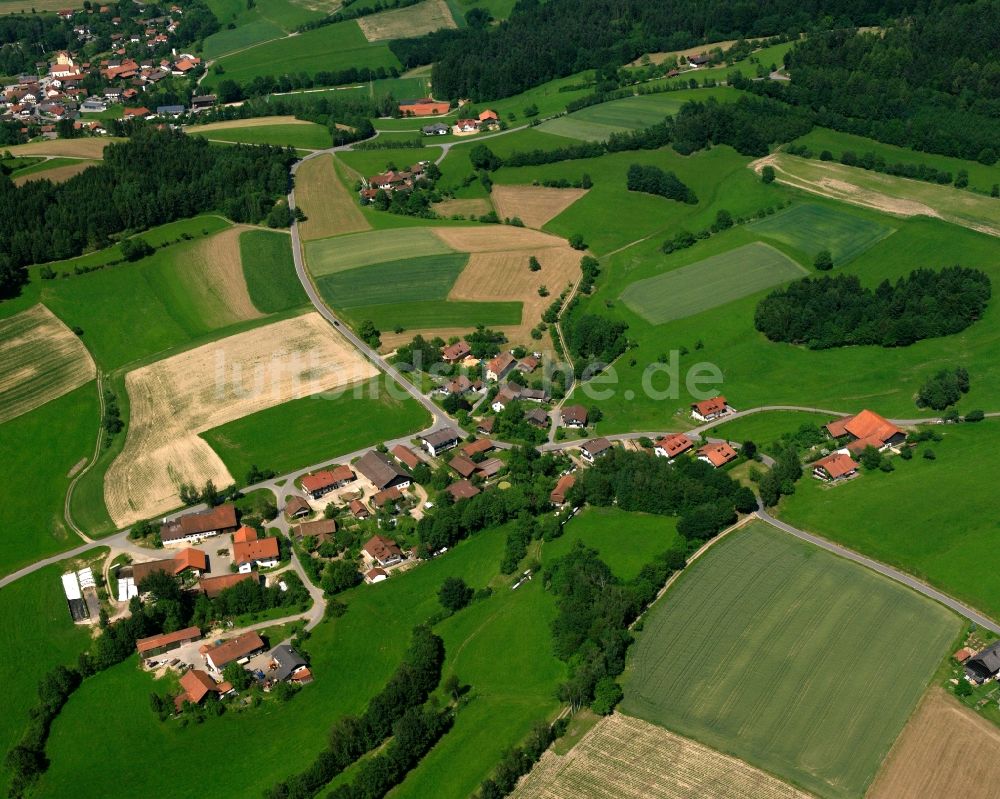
{"x": 39, "y": 634}
{"x": 248, "y": 34}
{"x": 597, "y": 122}
{"x": 269, "y": 271}
{"x": 706, "y": 284}
{"x": 625, "y": 541}
{"x": 981, "y": 177}
{"x": 372, "y": 162}
{"x": 260, "y": 21}
{"x": 46, "y": 165}
{"x": 332, "y": 47}
{"x": 410, "y": 280}
{"x": 350, "y": 660}
{"x": 764, "y": 429}
{"x": 935, "y": 519}
{"x": 801, "y": 663}
{"x": 327, "y": 256}
{"x": 438, "y": 314}
{"x": 306, "y": 431}
{"x": 40, "y": 448}
{"x": 809, "y": 228}
{"x": 309, "y": 136}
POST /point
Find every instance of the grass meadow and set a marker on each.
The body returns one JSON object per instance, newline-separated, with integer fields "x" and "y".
{"x": 309, "y": 136}
{"x": 437, "y": 314}
{"x": 904, "y": 518}
{"x": 40, "y": 449}
{"x": 773, "y": 650}
{"x": 809, "y": 228}
{"x": 308, "y": 430}
{"x": 332, "y": 47}
{"x": 765, "y": 428}
{"x": 706, "y": 284}
{"x": 625, "y": 541}
{"x": 257, "y": 22}
{"x": 39, "y": 635}
{"x": 269, "y": 271}
{"x": 328, "y": 256}
{"x": 410, "y": 280}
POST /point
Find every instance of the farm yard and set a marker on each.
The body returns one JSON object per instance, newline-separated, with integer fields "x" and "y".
{"x": 944, "y": 750}
{"x": 707, "y": 284}
{"x": 174, "y": 399}
{"x": 281, "y": 131}
{"x": 809, "y": 228}
{"x": 40, "y": 360}
{"x": 330, "y": 208}
{"x": 416, "y": 20}
{"x": 888, "y": 193}
{"x": 899, "y": 518}
{"x": 627, "y": 758}
{"x": 770, "y": 649}
{"x": 533, "y": 205}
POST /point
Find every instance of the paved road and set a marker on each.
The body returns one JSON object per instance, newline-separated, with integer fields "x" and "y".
{"x": 893, "y": 574}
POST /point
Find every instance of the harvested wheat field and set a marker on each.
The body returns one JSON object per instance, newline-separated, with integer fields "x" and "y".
{"x": 535, "y": 205}
{"x": 623, "y": 757}
{"x": 40, "y": 360}
{"x": 57, "y": 174}
{"x": 472, "y": 207}
{"x": 212, "y": 272}
{"x": 495, "y": 238}
{"x": 175, "y": 399}
{"x": 255, "y": 122}
{"x": 70, "y": 148}
{"x": 331, "y": 209}
{"x": 401, "y": 23}
{"x": 945, "y": 750}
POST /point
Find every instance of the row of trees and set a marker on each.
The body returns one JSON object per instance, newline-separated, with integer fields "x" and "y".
{"x": 838, "y": 311}
{"x": 352, "y": 736}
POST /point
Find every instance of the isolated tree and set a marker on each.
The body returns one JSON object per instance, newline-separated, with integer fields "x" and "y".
{"x": 607, "y": 694}
{"x": 454, "y": 594}
{"x": 749, "y": 450}
{"x": 823, "y": 261}
{"x": 452, "y": 686}
{"x": 533, "y": 264}
{"x": 767, "y": 174}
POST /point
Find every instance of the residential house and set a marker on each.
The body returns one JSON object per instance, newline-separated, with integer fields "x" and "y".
{"x": 463, "y": 465}
{"x": 699, "y": 60}
{"x": 135, "y": 113}
{"x": 381, "y": 551}
{"x": 478, "y": 447}
{"x": 537, "y": 417}
{"x": 199, "y": 526}
{"x": 574, "y": 416}
{"x": 202, "y": 102}
{"x": 213, "y": 586}
{"x": 196, "y": 685}
{"x": 506, "y": 395}
{"x": 985, "y": 665}
{"x": 488, "y": 118}
{"x": 710, "y": 409}
{"x": 485, "y": 425}
{"x": 285, "y": 661}
{"x": 193, "y": 560}
{"x": 423, "y": 107}
{"x": 358, "y": 509}
{"x": 672, "y": 445}
{"x": 387, "y": 498}
{"x": 596, "y": 448}
{"x": 461, "y": 385}
{"x": 321, "y": 529}
{"x": 323, "y": 482}
{"x": 381, "y": 471}
{"x": 866, "y": 429}
{"x": 717, "y": 454}
{"x": 467, "y": 125}
{"x": 437, "y": 129}
{"x": 170, "y": 110}
{"x": 440, "y": 440}
{"x": 297, "y": 508}
{"x": 489, "y": 467}
{"x": 463, "y": 489}
{"x": 92, "y": 105}
{"x": 255, "y": 551}
{"x": 499, "y": 367}
{"x": 558, "y": 495}
{"x": 837, "y": 466}
{"x": 236, "y": 650}
{"x": 376, "y": 575}
{"x": 406, "y": 456}
{"x": 158, "y": 644}
{"x": 527, "y": 364}
{"x": 455, "y": 353}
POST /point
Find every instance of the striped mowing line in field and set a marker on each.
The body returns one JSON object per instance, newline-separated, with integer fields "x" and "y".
{"x": 707, "y": 284}
{"x": 327, "y": 256}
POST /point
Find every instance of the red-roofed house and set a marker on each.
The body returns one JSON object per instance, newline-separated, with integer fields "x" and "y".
{"x": 671, "y": 446}
{"x": 477, "y": 447}
{"x": 376, "y": 575}
{"x": 558, "y": 495}
{"x": 323, "y": 482}
{"x": 253, "y": 551}
{"x": 238, "y": 649}
{"x": 158, "y": 644}
{"x": 463, "y": 489}
{"x": 574, "y": 416}
{"x": 488, "y": 116}
{"x": 467, "y": 125}
{"x": 837, "y": 466}
{"x": 213, "y": 586}
{"x": 358, "y": 509}
{"x": 710, "y": 409}
{"x": 381, "y": 551}
{"x": 197, "y": 684}
{"x": 717, "y": 454}
{"x": 406, "y": 456}
{"x": 463, "y": 465}
{"x": 136, "y": 113}
{"x": 867, "y": 429}
{"x": 244, "y": 534}
{"x": 456, "y": 352}
{"x": 498, "y": 368}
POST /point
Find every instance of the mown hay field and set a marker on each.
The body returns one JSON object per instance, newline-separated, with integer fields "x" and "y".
{"x": 285, "y": 131}
{"x": 40, "y": 360}
{"x": 402, "y": 23}
{"x": 56, "y": 170}
{"x": 476, "y": 206}
{"x": 799, "y": 662}
{"x": 627, "y": 758}
{"x": 361, "y": 249}
{"x": 330, "y": 208}
{"x": 810, "y": 228}
{"x": 945, "y": 750}
{"x": 714, "y": 281}
{"x": 894, "y": 195}
{"x": 533, "y": 205}
{"x": 70, "y": 148}
{"x": 175, "y": 399}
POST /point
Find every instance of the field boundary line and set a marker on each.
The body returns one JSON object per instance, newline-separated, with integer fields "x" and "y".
{"x": 67, "y": 502}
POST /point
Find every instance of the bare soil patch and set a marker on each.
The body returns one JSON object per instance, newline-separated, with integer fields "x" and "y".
{"x": 944, "y": 750}
{"x": 534, "y": 205}
{"x": 69, "y": 148}
{"x": 255, "y": 122}
{"x": 626, "y": 758}
{"x": 468, "y": 208}
{"x": 175, "y": 399}
{"x": 417, "y": 20}
{"x": 57, "y": 174}
{"x": 331, "y": 209}
{"x": 495, "y": 238}
{"x": 214, "y": 272}
{"x": 40, "y": 360}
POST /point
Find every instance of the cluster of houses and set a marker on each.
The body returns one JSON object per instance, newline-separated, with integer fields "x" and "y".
{"x": 392, "y": 180}
{"x": 41, "y": 101}
{"x": 855, "y": 434}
